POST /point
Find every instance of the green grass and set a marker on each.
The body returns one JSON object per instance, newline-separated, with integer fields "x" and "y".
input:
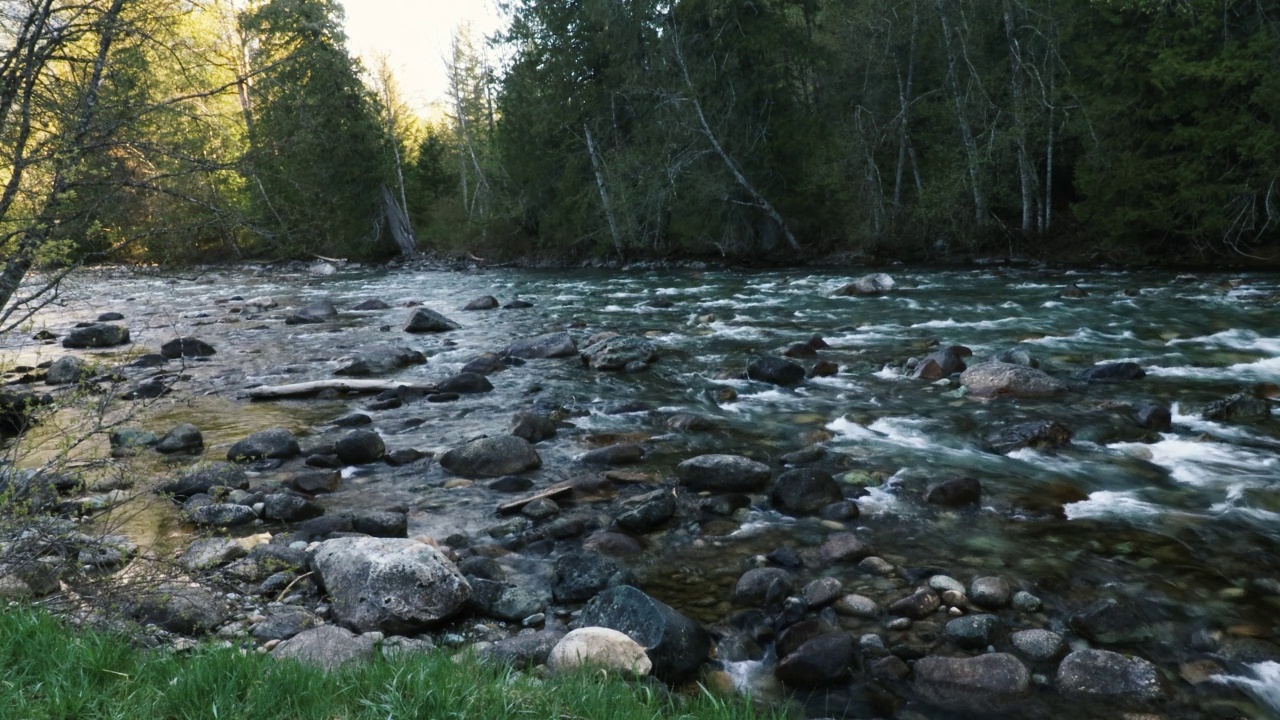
{"x": 48, "y": 670}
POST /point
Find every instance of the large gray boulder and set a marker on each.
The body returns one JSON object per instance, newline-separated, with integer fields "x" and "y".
{"x": 200, "y": 479}
{"x": 1105, "y": 675}
{"x": 805, "y": 491}
{"x": 550, "y": 345}
{"x": 491, "y": 457}
{"x": 182, "y": 438}
{"x": 328, "y": 646}
{"x": 274, "y": 443}
{"x": 186, "y": 347}
{"x": 676, "y": 645}
{"x": 360, "y": 447}
{"x": 723, "y": 473}
{"x": 208, "y": 553}
{"x": 992, "y": 379}
{"x": 424, "y": 320}
{"x": 988, "y": 683}
{"x": 391, "y": 585}
{"x": 775, "y": 371}
{"x": 96, "y": 335}
{"x": 316, "y": 312}
{"x": 66, "y": 370}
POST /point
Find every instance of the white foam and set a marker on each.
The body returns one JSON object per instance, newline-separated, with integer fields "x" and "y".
{"x": 976, "y": 324}
{"x": 1267, "y": 369}
{"x": 1210, "y": 464}
{"x": 1263, "y": 683}
{"x": 1110, "y": 503}
{"x": 888, "y": 372}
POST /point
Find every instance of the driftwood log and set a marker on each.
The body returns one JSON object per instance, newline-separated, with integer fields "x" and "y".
{"x": 305, "y": 389}
{"x": 552, "y": 492}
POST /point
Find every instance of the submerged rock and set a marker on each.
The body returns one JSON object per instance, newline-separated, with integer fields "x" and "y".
{"x": 316, "y": 312}
{"x": 1114, "y": 372}
{"x": 390, "y": 585}
{"x": 805, "y": 491}
{"x": 1238, "y": 408}
{"x": 867, "y": 285}
{"x": 66, "y": 370}
{"x": 988, "y": 683}
{"x": 776, "y": 371}
{"x": 201, "y": 478}
{"x": 532, "y": 427}
{"x": 359, "y": 447}
{"x": 954, "y": 492}
{"x": 723, "y": 473}
{"x": 1039, "y": 435}
{"x": 645, "y": 512}
{"x": 620, "y": 454}
{"x": 182, "y": 438}
{"x": 550, "y": 345}
{"x": 381, "y": 359}
{"x": 1155, "y": 417}
{"x": 820, "y": 661}
{"x": 1108, "y": 676}
{"x": 619, "y": 353}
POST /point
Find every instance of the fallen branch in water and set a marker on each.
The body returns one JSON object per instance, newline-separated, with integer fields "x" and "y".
{"x": 294, "y": 390}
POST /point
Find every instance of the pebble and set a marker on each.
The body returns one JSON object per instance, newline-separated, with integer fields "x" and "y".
{"x": 871, "y": 641}
{"x": 955, "y": 599}
{"x": 990, "y": 592}
{"x": 857, "y": 606}
{"x": 1037, "y": 645}
{"x": 898, "y": 624}
{"x": 944, "y": 583}
{"x": 876, "y": 565}
{"x": 534, "y": 619}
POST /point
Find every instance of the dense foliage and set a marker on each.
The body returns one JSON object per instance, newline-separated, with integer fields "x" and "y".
{"x": 171, "y": 130}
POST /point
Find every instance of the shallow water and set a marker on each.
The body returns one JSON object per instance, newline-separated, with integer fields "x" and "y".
{"x": 1180, "y": 524}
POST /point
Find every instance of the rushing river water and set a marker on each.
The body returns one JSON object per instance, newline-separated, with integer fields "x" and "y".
{"x": 1183, "y": 526}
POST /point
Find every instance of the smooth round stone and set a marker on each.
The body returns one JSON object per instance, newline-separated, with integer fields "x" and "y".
{"x": 876, "y": 565}
{"x": 1024, "y": 601}
{"x": 857, "y": 606}
{"x": 990, "y": 592}
{"x": 898, "y": 624}
{"x": 943, "y": 583}
{"x": 954, "y": 599}
{"x": 1039, "y": 645}
{"x": 871, "y": 641}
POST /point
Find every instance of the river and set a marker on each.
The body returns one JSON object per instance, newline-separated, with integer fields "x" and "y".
{"x": 1181, "y": 526}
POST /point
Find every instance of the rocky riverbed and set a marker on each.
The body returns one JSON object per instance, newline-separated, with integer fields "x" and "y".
{"x": 920, "y": 494}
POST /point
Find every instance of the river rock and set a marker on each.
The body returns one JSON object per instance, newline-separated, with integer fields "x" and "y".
{"x": 391, "y": 585}
{"x": 845, "y": 548}
{"x": 776, "y": 371}
{"x": 491, "y": 457}
{"x": 485, "y": 364}
{"x": 990, "y": 592}
{"x": 381, "y": 359}
{"x": 867, "y": 285}
{"x": 580, "y": 575}
{"x": 620, "y": 454}
{"x": 993, "y": 379}
{"x": 942, "y": 363}
{"x": 1037, "y": 645}
{"x": 970, "y": 632}
{"x": 96, "y": 335}
{"x": 760, "y": 587}
{"x": 360, "y": 447}
{"x": 1108, "y": 676}
{"x": 821, "y": 592}
{"x": 371, "y": 304}
{"x": 723, "y": 473}
{"x": 504, "y": 601}
{"x": 987, "y": 683}
{"x": 859, "y": 606}
{"x": 532, "y": 427}
{"x": 222, "y": 515}
{"x": 201, "y": 478}
{"x": 27, "y": 581}
{"x": 67, "y": 370}
{"x": 425, "y": 320}
{"x": 186, "y": 347}
{"x": 182, "y": 438}
{"x": 208, "y": 553}
{"x": 328, "y": 647}
{"x": 954, "y": 492}
{"x": 178, "y": 608}
{"x": 918, "y": 605}
{"x": 1038, "y": 434}
{"x": 290, "y": 508}
{"x": 283, "y": 623}
{"x": 110, "y": 317}
{"x": 676, "y": 645}
{"x": 486, "y": 302}
{"x": 805, "y": 491}
{"x": 517, "y": 305}
{"x": 1016, "y": 356}
{"x": 381, "y": 523}
{"x": 466, "y": 384}
{"x": 1153, "y": 416}
{"x": 315, "y": 482}
{"x": 619, "y": 353}
{"x": 1108, "y": 622}
{"x": 1238, "y": 408}
{"x": 645, "y": 512}
{"x": 601, "y": 648}
{"x": 523, "y": 650}
{"x": 823, "y": 660}
{"x": 316, "y": 312}
{"x": 1114, "y": 372}
{"x": 550, "y": 345}
{"x": 17, "y": 412}
{"x": 267, "y": 444}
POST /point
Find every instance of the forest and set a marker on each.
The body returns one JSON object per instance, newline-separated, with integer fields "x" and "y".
{"x": 180, "y": 131}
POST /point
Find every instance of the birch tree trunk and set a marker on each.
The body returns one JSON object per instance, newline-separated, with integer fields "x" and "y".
{"x": 1026, "y": 175}
{"x": 966, "y": 132}
{"x": 604, "y": 190}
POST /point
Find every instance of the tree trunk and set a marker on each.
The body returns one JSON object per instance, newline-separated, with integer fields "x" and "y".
{"x": 904, "y": 115}
{"x": 604, "y": 190}
{"x": 966, "y": 132}
{"x": 1026, "y": 175}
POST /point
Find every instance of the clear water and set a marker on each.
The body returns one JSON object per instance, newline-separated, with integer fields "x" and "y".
{"x": 1180, "y": 525}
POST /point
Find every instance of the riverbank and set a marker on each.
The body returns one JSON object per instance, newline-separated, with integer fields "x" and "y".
{"x": 53, "y": 671}
{"x": 812, "y": 487}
